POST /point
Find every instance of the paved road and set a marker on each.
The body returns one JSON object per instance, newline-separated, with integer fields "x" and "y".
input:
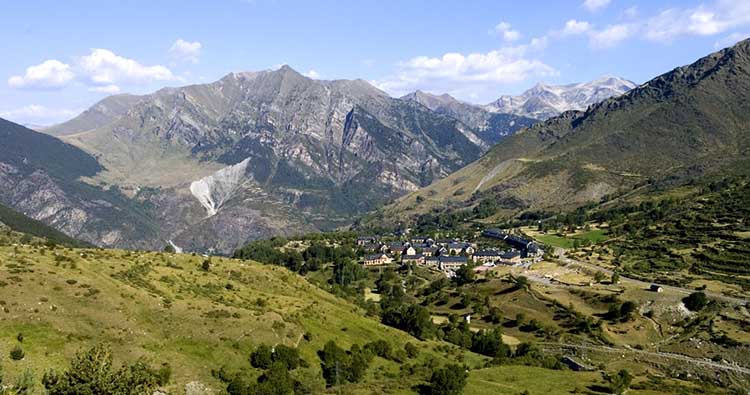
{"x": 678, "y": 357}
{"x": 561, "y": 254}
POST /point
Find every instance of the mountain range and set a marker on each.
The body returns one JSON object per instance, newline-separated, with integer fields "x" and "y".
{"x": 688, "y": 124}
{"x": 208, "y": 167}
{"x": 545, "y": 101}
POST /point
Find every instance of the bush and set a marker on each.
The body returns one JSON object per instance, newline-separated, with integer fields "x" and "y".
{"x": 449, "y": 380}
{"x": 339, "y": 366}
{"x": 696, "y": 301}
{"x": 262, "y": 357}
{"x": 92, "y": 372}
{"x": 411, "y": 350}
{"x": 380, "y": 348}
{"x": 17, "y": 353}
{"x": 620, "y": 382}
{"x": 163, "y": 374}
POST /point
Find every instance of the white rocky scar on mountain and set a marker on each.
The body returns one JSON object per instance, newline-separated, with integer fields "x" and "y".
{"x": 215, "y": 190}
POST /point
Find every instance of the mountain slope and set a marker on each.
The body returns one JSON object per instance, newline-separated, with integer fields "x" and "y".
{"x": 165, "y": 308}
{"x": 544, "y": 101}
{"x": 491, "y": 127}
{"x": 41, "y": 177}
{"x": 274, "y": 152}
{"x": 691, "y": 122}
{"x": 100, "y": 114}
{"x": 23, "y": 226}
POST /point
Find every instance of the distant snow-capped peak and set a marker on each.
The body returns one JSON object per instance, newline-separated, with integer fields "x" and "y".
{"x": 543, "y": 101}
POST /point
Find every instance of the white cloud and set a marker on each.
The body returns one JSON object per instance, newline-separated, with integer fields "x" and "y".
{"x": 49, "y": 74}
{"x": 102, "y": 70}
{"x": 39, "y": 115}
{"x": 505, "y": 29}
{"x": 463, "y": 75}
{"x": 730, "y": 40}
{"x": 612, "y": 35}
{"x": 103, "y": 67}
{"x": 185, "y": 51}
{"x": 704, "y": 20}
{"x": 631, "y": 12}
{"x": 574, "y": 27}
{"x": 595, "y": 5}
{"x": 312, "y": 74}
{"x": 111, "y": 89}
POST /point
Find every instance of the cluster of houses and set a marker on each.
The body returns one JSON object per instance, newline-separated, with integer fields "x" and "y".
{"x": 447, "y": 255}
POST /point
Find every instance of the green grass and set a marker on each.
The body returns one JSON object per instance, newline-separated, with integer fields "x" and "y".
{"x": 169, "y": 310}
{"x": 556, "y": 241}
{"x": 512, "y": 380}
{"x": 593, "y": 236}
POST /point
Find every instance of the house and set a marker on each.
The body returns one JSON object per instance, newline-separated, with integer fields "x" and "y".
{"x": 445, "y": 242}
{"x": 420, "y": 246}
{"x": 364, "y": 240}
{"x": 494, "y": 234}
{"x": 432, "y": 262}
{"x": 510, "y": 257}
{"x": 417, "y": 259}
{"x": 460, "y": 248}
{"x": 518, "y": 242}
{"x": 575, "y": 365}
{"x": 487, "y": 256}
{"x": 409, "y": 251}
{"x": 422, "y": 240}
{"x": 399, "y": 247}
{"x": 434, "y": 251}
{"x": 377, "y": 259}
{"x": 656, "y": 288}
{"x": 452, "y": 262}
{"x": 371, "y": 247}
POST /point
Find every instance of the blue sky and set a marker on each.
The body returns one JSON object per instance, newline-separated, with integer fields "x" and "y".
{"x": 62, "y": 56}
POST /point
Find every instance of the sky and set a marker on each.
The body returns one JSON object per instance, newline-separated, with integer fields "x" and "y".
{"x": 60, "y": 57}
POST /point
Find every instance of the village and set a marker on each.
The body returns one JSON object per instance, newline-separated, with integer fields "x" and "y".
{"x": 448, "y": 255}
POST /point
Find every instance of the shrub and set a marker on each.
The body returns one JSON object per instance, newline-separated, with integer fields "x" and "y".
{"x": 262, "y": 357}
{"x": 17, "y": 353}
{"x": 92, "y": 372}
{"x": 449, "y": 380}
{"x": 411, "y": 350}
{"x": 696, "y": 301}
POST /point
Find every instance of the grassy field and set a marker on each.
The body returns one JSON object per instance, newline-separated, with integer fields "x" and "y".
{"x": 566, "y": 241}
{"x": 165, "y": 308}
